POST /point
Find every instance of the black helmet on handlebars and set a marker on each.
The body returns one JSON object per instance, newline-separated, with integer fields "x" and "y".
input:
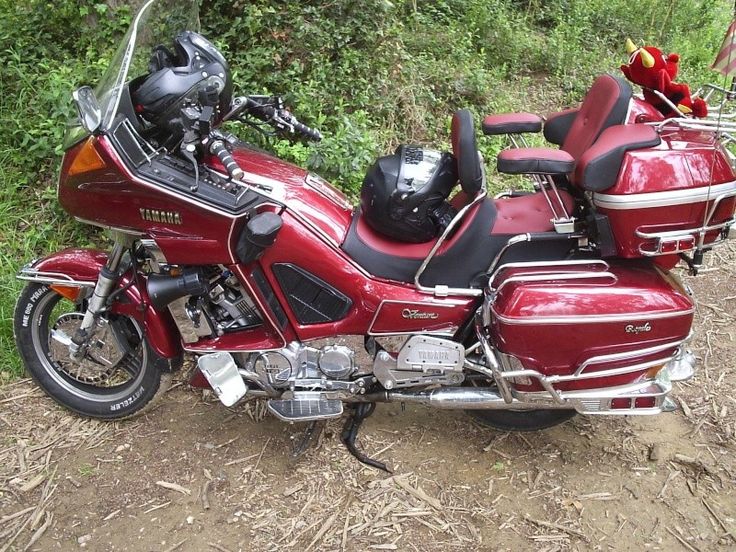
{"x": 196, "y": 73}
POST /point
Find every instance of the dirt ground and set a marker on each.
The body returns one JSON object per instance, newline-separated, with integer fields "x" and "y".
{"x": 193, "y": 475}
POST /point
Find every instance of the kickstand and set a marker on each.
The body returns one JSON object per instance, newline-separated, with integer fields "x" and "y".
{"x": 350, "y": 433}
{"x": 309, "y": 437}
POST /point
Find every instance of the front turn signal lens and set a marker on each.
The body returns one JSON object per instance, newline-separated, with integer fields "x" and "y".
{"x": 70, "y": 292}
{"x": 87, "y": 159}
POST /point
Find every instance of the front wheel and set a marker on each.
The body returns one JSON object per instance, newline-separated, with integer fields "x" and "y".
{"x": 117, "y": 377}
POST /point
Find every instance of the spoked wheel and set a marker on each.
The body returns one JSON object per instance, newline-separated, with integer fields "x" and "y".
{"x": 116, "y": 378}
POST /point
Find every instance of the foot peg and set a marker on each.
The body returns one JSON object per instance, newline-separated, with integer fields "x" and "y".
{"x": 306, "y": 406}
{"x": 350, "y": 434}
{"x": 221, "y": 372}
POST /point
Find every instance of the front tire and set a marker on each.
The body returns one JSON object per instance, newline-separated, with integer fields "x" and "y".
{"x": 43, "y": 321}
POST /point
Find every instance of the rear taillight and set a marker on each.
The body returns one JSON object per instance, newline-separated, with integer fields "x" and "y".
{"x": 620, "y": 403}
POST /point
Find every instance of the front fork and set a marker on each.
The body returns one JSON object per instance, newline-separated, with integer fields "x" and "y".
{"x": 97, "y": 304}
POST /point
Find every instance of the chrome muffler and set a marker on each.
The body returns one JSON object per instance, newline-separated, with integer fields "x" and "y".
{"x": 465, "y": 398}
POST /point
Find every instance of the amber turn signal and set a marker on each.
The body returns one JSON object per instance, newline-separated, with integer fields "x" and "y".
{"x": 653, "y": 371}
{"x": 87, "y": 159}
{"x": 70, "y": 292}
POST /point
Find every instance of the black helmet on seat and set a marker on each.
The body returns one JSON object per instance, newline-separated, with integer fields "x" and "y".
{"x": 195, "y": 70}
{"x": 403, "y": 195}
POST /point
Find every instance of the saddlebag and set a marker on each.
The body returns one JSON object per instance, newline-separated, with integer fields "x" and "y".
{"x": 585, "y": 324}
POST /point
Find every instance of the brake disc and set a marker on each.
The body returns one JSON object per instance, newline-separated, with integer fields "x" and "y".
{"x": 103, "y": 356}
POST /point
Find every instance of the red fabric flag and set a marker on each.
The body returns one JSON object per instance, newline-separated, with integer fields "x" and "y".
{"x": 725, "y": 62}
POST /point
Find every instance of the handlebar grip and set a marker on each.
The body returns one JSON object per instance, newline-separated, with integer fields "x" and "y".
{"x": 304, "y": 130}
{"x": 218, "y": 148}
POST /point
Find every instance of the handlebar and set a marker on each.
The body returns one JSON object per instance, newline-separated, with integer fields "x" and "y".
{"x": 220, "y": 150}
{"x": 278, "y": 117}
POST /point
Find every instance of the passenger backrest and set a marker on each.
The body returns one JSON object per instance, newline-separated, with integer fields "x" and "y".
{"x": 605, "y": 105}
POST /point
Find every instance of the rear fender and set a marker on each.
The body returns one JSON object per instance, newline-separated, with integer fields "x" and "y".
{"x": 81, "y": 267}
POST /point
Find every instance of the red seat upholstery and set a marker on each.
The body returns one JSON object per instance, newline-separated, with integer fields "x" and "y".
{"x": 511, "y": 123}
{"x": 605, "y": 105}
{"x": 598, "y": 168}
{"x": 527, "y": 213}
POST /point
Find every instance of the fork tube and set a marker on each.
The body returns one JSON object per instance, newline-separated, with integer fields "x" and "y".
{"x": 106, "y": 282}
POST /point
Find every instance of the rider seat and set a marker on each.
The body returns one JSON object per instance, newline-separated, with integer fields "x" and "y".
{"x": 464, "y": 258}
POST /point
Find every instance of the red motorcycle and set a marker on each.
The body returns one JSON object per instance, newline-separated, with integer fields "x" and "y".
{"x": 522, "y": 309}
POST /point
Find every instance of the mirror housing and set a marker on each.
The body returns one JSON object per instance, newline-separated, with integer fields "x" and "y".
{"x": 90, "y": 115}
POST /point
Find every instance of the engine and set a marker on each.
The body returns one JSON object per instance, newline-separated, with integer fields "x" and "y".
{"x": 421, "y": 360}
{"x": 304, "y": 366}
{"x": 215, "y": 303}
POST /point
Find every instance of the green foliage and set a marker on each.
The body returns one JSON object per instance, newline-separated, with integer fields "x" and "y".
{"x": 369, "y": 74}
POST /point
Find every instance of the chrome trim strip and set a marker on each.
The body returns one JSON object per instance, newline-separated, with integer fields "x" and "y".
{"x": 551, "y": 264}
{"x": 663, "y": 199}
{"x": 557, "y": 276}
{"x": 592, "y": 319}
{"x": 628, "y": 354}
{"x": 109, "y": 227}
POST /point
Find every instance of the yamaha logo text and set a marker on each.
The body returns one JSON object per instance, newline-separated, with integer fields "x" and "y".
{"x": 167, "y": 217}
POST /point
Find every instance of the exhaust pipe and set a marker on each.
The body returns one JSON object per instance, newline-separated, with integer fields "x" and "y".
{"x": 466, "y": 398}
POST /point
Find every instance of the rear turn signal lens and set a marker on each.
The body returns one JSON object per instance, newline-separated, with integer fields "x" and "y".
{"x": 70, "y": 292}
{"x": 653, "y": 371}
{"x": 87, "y": 159}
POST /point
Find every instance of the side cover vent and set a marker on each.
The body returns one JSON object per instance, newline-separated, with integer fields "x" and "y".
{"x": 312, "y": 300}
{"x": 270, "y": 297}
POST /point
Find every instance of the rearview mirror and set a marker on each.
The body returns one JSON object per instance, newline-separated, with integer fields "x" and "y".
{"x": 89, "y": 109}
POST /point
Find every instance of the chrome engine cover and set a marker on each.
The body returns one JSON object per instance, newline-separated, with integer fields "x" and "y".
{"x": 423, "y": 360}
{"x": 300, "y": 365}
{"x": 336, "y": 361}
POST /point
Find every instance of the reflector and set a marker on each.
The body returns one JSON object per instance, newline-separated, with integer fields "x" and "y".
{"x": 70, "y": 292}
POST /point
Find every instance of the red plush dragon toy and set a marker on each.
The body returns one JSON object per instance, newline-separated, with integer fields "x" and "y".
{"x": 650, "y": 69}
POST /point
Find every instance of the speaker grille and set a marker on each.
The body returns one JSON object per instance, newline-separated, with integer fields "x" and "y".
{"x": 312, "y": 300}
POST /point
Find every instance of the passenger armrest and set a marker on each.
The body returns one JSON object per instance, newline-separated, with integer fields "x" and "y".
{"x": 535, "y": 161}
{"x": 511, "y": 123}
{"x": 598, "y": 168}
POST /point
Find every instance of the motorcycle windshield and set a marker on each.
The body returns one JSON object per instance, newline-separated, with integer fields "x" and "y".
{"x": 156, "y": 22}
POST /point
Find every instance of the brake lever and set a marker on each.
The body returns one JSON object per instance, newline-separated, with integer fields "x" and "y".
{"x": 188, "y": 149}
